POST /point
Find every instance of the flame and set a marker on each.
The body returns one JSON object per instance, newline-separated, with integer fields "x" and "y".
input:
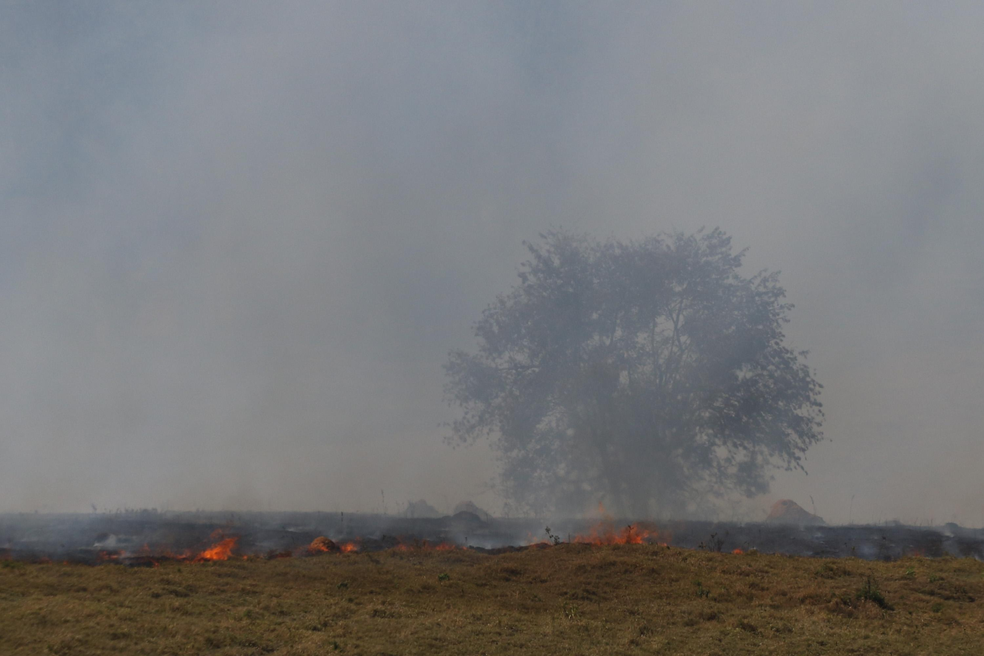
{"x": 738, "y": 551}
{"x": 220, "y": 551}
{"x": 349, "y": 547}
{"x": 321, "y": 545}
{"x": 108, "y": 556}
{"x": 604, "y": 532}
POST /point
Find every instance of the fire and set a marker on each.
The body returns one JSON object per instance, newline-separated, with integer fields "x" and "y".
{"x": 220, "y": 551}
{"x": 322, "y": 545}
{"x": 604, "y": 532}
{"x": 738, "y": 551}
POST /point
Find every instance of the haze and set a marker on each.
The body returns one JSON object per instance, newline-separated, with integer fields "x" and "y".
{"x": 238, "y": 240}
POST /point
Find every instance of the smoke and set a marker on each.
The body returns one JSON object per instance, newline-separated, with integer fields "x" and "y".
{"x": 238, "y": 239}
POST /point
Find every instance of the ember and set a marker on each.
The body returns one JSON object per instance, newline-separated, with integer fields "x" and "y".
{"x": 322, "y": 545}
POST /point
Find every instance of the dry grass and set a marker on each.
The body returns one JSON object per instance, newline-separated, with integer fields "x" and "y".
{"x": 571, "y": 599}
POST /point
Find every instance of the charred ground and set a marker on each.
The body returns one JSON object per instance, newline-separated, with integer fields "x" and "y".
{"x": 91, "y": 538}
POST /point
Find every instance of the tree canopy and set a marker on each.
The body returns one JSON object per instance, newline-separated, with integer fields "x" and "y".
{"x": 649, "y": 375}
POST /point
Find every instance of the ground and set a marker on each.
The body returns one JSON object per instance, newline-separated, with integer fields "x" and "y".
{"x": 570, "y": 599}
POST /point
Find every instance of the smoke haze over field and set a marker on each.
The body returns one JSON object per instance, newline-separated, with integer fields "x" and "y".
{"x": 238, "y": 240}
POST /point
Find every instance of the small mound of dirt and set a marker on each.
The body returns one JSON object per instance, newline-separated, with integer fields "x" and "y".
{"x": 466, "y": 517}
{"x": 786, "y": 511}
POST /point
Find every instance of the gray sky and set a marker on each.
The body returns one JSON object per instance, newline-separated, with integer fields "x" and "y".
{"x": 237, "y": 241}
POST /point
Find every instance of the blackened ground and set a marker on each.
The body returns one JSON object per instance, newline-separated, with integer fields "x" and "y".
{"x": 136, "y": 536}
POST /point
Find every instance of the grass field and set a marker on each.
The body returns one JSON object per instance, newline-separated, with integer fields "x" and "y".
{"x": 568, "y": 599}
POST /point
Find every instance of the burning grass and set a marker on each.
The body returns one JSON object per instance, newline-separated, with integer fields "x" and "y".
{"x": 571, "y": 598}
{"x": 224, "y": 548}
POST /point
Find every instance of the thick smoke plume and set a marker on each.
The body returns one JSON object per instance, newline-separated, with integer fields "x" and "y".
{"x": 237, "y": 240}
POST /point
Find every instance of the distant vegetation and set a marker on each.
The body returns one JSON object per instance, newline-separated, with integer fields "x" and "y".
{"x": 649, "y": 375}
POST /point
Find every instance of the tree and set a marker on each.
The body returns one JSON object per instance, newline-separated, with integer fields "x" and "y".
{"x": 651, "y": 376}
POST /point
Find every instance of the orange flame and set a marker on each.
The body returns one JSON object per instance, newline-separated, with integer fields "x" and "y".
{"x": 604, "y": 532}
{"x": 348, "y": 547}
{"x": 321, "y": 545}
{"x": 220, "y": 551}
